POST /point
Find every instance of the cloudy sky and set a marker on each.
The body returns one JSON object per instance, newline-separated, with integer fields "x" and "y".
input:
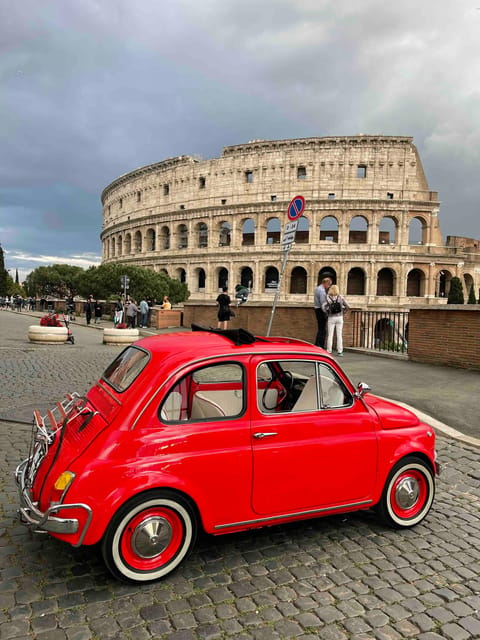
{"x": 92, "y": 89}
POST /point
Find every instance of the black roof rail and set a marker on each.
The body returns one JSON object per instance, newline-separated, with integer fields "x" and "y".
{"x": 237, "y": 336}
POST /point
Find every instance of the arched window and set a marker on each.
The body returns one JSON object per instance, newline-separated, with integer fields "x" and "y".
{"x": 150, "y": 239}
{"x": 298, "y": 280}
{"x": 356, "y": 282}
{"x": 202, "y": 235}
{"x": 329, "y": 229}
{"x": 303, "y": 234}
{"x": 165, "y": 238}
{"x": 182, "y": 235}
{"x": 248, "y": 233}
{"x": 417, "y": 231}
{"x": 119, "y": 245}
{"x": 181, "y": 275}
{"x": 327, "y": 272}
{"x": 273, "y": 231}
{"x": 385, "y": 282}
{"x": 272, "y": 278}
{"x": 137, "y": 242}
{"x": 387, "y": 231}
{"x": 112, "y": 247}
{"x": 246, "y": 277}
{"x": 201, "y": 279}
{"x": 415, "y": 283}
{"x": 222, "y": 280}
{"x": 225, "y": 231}
{"x": 358, "y": 230}
{"x": 442, "y": 283}
{"x": 128, "y": 244}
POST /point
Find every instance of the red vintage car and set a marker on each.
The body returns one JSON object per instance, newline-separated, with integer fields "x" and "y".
{"x": 220, "y": 430}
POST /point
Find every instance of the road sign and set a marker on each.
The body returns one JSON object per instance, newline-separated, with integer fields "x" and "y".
{"x": 289, "y": 232}
{"x": 296, "y": 207}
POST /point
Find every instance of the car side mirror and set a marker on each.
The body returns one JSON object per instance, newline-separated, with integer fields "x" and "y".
{"x": 362, "y": 389}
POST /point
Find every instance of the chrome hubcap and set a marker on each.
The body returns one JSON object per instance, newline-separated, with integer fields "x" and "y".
{"x": 407, "y": 493}
{"x": 151, "y": 537}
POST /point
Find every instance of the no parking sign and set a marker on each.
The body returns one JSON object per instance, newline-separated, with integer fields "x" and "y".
{"x": 294, "y": 211}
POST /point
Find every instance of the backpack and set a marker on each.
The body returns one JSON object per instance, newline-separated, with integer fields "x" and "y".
{"x": 335, "y": 307}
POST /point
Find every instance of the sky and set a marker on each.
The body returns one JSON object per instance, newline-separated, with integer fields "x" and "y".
{"x": 93, "y": 89}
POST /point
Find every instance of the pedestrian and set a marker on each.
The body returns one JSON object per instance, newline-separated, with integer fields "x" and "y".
{"x": 319, "y": 298}
{"x": 166, "y": 304}
{"x": 241, "y": 294}
{"x": 144, "y": 313}
{"x": 98, "y": 309}
{"x": 224, "y": 313}
{"x": 335, "y": 306}
{"x": 89, "y": 308}
{"x": 118, "y": 313}
{"x": 132, "y": 311}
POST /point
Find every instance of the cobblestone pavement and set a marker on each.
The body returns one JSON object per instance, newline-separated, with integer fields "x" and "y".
{"x": 335, "y": 578}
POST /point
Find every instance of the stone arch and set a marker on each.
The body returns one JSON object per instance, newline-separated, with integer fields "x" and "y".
{"x": 222, "y": 278}
{"x": 298, "y": 280}
{"x": 248, "y": 232}
{"x": 202, "y": 235}
{"x": 224, "y": 234}
{"x": 356, "y": 281}
{"x": 128, "y": 244}
{"x": 112, "y": 248}
{"x": 165, "y": 240}
{"x": 119, "y": 245}
{"x": 469, "y": 283}
{"x": 302, "y": 235}
{"x": 150, "y": 240}
{"x": 329, "y": 229}
{"x": 388, "y": 230}
{"x": 246, "y": 277}
{"x": 182, "y": 236}
{"x": 442, "y": 283}
{"x": 417, "y": 231}
{"x": 327, "y": 272}
{"x": 137, "y": 241}
{"x": 386, "y": 282}
{"x": 181, "y": 274}
{"x": 358, "y": 230}
{"x": 416, "y": 283}
{"x": 271, "y": 278}
{"x": 200, "y": 278}
{"x": 273, "y": 231}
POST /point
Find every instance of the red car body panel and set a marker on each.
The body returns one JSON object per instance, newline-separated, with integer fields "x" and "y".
{"x": 237, "y": 474}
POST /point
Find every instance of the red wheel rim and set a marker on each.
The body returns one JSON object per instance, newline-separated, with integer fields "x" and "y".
{"x": 152, "y": 538}
{"x": 409, "y": 493}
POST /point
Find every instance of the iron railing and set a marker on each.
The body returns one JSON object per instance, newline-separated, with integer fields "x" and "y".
{"x": 381, "y": 330}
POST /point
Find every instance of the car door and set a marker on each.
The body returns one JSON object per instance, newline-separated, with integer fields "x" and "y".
{"x": 319, "y": 452}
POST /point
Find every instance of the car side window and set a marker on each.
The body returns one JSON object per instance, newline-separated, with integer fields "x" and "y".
{"x": 210, "y": 392}
{"x": 294, "y": 386}
{"x": 333, "y": 392}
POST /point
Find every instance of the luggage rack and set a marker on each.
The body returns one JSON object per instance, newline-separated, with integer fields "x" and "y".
{"x": 47, "y": 425}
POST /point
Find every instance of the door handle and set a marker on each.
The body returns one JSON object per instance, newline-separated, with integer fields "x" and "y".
{"x": 264, "y": 434}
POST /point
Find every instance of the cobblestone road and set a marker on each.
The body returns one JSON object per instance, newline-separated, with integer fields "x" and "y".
{"x": 344, "y": 577}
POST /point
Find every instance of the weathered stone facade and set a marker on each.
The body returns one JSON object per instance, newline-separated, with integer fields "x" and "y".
{"x": 370, "y": 220}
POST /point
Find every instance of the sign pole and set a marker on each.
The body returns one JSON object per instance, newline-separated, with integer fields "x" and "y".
{"x": 295, "y": 210}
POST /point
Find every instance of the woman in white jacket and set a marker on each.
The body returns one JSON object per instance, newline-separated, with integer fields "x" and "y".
{"x": 335, "y": 306}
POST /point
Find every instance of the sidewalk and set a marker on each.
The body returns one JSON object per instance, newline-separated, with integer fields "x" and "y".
{"x": 445, "y": 397}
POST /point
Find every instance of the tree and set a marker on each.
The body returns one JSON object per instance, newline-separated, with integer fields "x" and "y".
{"x": 58, "y": 281}
{"x": 3, "y": 275}
{"x": 455, "y": 295}
{"x": 471, "y": 296}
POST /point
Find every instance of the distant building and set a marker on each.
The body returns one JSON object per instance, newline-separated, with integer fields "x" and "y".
{"x": 370, "y": 221}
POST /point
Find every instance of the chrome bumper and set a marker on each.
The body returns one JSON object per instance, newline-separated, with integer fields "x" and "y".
{"x": 47, "y": 521}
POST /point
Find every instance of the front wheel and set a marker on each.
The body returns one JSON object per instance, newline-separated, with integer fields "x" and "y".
{"x": 149, "y": 536}
{"x": 408, "y": 493}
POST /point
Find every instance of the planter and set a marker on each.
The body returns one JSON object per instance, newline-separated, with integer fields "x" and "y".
{"x": 168, "y": 318}
{"x": 47, "y": 335}
{"x": 120, "y": 336}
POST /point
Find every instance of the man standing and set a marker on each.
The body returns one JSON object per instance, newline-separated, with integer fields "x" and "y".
{"x": 144, "y": 309}
{"x": 319, "y": 297}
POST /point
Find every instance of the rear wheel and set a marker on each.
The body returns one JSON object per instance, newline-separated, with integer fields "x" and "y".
{"x": 149, "y": 536}
{"x": 408, "y": 493}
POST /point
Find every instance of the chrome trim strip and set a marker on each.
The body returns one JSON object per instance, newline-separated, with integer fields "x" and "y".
{"x": 294, "y": 515}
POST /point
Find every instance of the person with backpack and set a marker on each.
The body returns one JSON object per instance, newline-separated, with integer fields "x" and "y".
{"x": 335, "y": 306}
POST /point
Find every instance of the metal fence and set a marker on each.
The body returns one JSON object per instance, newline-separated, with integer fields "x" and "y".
{"x": 381, "y": 330}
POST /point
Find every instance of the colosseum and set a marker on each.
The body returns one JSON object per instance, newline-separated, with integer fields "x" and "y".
{"x": 370, "y": 221}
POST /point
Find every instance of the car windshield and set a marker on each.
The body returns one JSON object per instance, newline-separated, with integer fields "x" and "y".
{"x": 125, "y": 369}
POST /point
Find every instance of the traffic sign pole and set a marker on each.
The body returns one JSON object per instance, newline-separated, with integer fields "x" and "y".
{"x": 294, "y": 212}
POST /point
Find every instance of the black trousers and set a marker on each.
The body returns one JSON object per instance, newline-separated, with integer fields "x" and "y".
{"x": 322, "y": 328}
